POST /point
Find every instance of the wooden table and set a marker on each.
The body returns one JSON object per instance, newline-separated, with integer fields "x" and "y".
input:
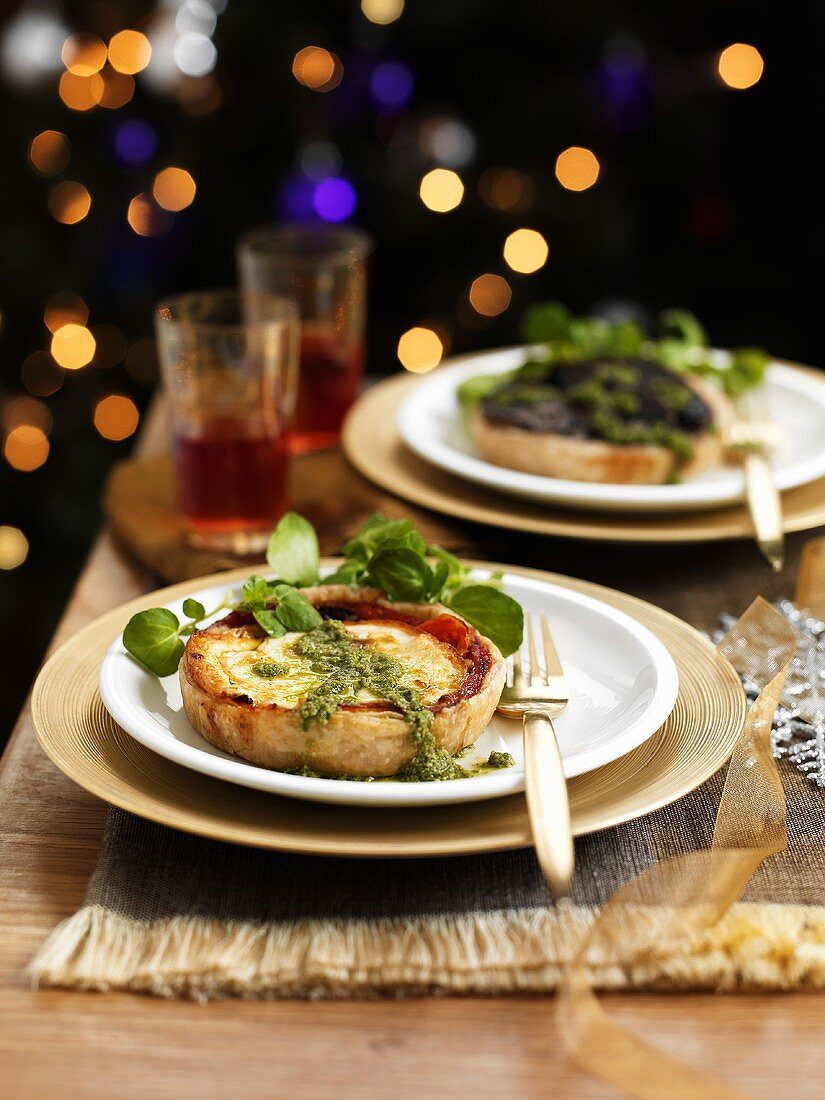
{"x": 93, "y": 1046}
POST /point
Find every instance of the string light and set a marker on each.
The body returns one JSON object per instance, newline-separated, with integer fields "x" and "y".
{"x": 115, "y": 90}
{"x": 506, "y": 189}
{"x": 69, "y": 202}
{"x": 420, "y": 349}
{"x": 40, "y": 374}
{"x": 490, "y": 295}
{"x": 73, "y": 346}
{"x": 27, "y": 410}
{"x": 110, "y": 346}
{"x": 49, "y": 152}
{"x": 174, "y": 189}
{"x": 84, "y": 54}
{"x": 740, "y": 65}
{"x": 195, "y": 54}
{"x": 65, "y": 308}
{"x": 116, "y": 417}
{"x": 26, "y": 448}
{"x": 80, "y": 93}
{"x": 145, "y": 217}
{"x": 577, "y": 168}
{"x": 129, "y": 52}
{"x": 525, "y": 251}
{"x": 382, "y": 11}
{"x": 317, "y": 68}
{"x": 441, "y": 190}
{"x": 14, "y": 547}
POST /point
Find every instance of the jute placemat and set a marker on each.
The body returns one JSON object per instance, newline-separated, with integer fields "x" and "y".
{"x": 176, "y": 915}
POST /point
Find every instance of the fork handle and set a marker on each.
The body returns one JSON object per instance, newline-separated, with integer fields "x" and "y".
{"x": 547, "y": 803}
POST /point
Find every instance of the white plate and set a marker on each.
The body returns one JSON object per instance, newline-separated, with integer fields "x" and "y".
{"x": 430, "y": 423}
{"x": 623, "y": 685}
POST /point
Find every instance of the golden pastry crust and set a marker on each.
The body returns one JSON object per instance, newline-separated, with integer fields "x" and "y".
{"x": 574, "y": 459}
{"x": 365, "y": 739}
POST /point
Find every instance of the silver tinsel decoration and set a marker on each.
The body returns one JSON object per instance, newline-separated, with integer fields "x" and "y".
{"x": 799, "y": 725}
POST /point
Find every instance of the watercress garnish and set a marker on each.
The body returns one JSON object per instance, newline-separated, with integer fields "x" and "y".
{"x": 387, "y": 553}
{"x": 292, "y": 553}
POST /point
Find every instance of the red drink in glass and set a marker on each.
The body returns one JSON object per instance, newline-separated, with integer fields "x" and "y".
{"x": 328, "y": 379}
{"x": 231, "y": 477}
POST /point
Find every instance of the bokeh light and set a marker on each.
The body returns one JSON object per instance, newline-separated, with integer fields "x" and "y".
{"x": 334, "y": 199}
{"x": 199, "y": 95}
{"x": 49, "y": 152}
{"x": 80, "y": 93}
{"x": 73, "y": 346}
{"x": 577, "y": 168}
{"x": 420, "y": 349}
{"x": 65, "y": 308}
{"x": 317, "y": 68}
{"x": 525, "y": 251}
{"x": 14, "y": 547}
{"x": 382, "y": 11}
{"x": 391, "y": 84}
{"x": 145, "y": 217}
{"x": 740, "y": 65}
{"x": 40, "y": 374}
{"x": 116, "y": 417}
{"x": 135, "y": 141}
{"x": 84, "y": 54}
{"x": 319, "y": 159}
{"x": 441, "y": 190}
{"x": 110, "y": 346}
{"x": 174, "y": 189}
{"x": 507, "y": 189}
{"x": 69, "y": 202}
{"x": 447, "y": 141}
{"x": 27, "y": 410}
{"x": 26, "y": 447}
{"x": 142, "y": 362}
{"x": 195, "y": 54}
{"x": 129, "y": 52}
{"x": 490, "y": 295}
{"x": 116, "y": 89}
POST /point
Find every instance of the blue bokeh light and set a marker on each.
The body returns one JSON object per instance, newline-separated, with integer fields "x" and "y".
{"x": 135, "y": 141}
{"x": 391, "y": 84}
{"x": 334, "y": 199}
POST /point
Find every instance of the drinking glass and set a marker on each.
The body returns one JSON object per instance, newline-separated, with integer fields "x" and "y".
{"x": 323, "y": 269}
{"x": 229, "y": 365}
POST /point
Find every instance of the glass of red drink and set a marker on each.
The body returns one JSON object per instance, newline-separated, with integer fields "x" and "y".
{"x": 323, "y": 269}
{"x": 230, "y": 364}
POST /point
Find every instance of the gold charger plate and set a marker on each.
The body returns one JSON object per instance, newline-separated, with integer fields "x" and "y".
{"x": 81, "y": 738}
{"x": 373, "y": 445}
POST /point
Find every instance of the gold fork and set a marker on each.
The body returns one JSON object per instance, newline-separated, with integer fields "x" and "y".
{"x": 752, "y": 438}
{"x": 537, "y": 699}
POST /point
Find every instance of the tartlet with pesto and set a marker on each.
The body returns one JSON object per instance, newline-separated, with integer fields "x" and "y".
{"x": 600, "y": 402}
{"x": 375, "y": 689}
{"x": 392, "y": 665}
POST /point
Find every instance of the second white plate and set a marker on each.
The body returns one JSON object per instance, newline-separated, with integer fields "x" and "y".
{"x": 623, "y": 685}
{"x": 430, "y": 423}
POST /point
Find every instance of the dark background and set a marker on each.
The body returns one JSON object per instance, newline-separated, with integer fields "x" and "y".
{"x": 707, "y": 198}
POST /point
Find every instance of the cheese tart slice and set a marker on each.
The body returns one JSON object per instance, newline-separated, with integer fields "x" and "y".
{"x": 620, "y": 421}
{"x": 378, "y": 689}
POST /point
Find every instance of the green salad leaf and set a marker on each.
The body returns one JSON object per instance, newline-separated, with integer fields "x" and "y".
{"x": 387, "y": 553}
{"x": 292, "y": 553}
{"x": 153, "y": 637}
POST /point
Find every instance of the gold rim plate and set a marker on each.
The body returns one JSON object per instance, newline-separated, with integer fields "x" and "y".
{"x": 81, "y": 738}
{"x": 372, "y": 443}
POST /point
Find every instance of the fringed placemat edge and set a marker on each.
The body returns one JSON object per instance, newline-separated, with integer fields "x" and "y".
{"x": 761, "y": 947}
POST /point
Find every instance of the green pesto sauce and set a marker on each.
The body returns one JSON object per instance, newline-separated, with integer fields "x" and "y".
{"x": 500, "y": 760}
{"x": 269, "y": 670}
{"x": 349, "y": 668}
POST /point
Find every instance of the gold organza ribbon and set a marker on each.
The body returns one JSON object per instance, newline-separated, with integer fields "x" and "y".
{"x": 684, "y": 896}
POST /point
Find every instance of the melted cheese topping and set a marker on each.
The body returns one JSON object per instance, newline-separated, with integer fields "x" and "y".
{"x": 430, "y": 665}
